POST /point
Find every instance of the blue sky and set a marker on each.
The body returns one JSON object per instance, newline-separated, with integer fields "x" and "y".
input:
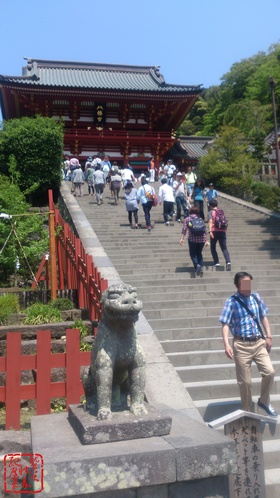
{"x": 194, "y": 42}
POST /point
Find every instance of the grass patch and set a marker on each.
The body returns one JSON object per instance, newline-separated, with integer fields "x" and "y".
{"x": 9, "y": 304}
{"x": 38, "y": 314}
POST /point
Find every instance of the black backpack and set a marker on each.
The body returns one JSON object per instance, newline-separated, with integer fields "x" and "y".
{"x": 197, "y": 226}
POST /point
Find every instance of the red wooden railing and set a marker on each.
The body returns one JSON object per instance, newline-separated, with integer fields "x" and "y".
{"x": 43, "y": 389}
{"x": 75, "y": 268}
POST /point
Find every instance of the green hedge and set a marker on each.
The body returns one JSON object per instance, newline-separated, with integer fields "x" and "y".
{"x": 266, "y": 195}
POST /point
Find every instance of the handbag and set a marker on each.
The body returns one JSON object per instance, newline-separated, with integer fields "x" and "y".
{"x": 151, "y": 197}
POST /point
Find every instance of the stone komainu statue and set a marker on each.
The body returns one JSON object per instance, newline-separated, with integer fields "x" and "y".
{"x": 117, "y": 360}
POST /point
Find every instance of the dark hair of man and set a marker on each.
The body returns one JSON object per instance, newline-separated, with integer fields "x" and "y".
{"x": 213, "y": 203}
{"x": 241, "y": 274}
{"x": 144, "y": 180}
{"x": 194, "y": 210}
{"x": 164, "y": 180}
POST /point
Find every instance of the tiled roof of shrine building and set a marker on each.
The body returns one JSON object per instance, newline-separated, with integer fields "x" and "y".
{"x": 95, "y": 76}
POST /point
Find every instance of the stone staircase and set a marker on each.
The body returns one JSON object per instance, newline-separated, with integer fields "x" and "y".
{"x": 183, "y": 309}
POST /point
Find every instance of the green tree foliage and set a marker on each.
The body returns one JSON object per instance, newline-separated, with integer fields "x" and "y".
{"x": 30, "y": 242}
{"x": 229, "y": 164}
{"x": 266, "y": 195}
{"x": 33, "y": 147}
{"x": 253, "y": 119}
{"x": 193, "y": 123}
{"x": 242, "y": 100}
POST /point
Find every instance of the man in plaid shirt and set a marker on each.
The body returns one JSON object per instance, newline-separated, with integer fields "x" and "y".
{"x": 248, "y": 343}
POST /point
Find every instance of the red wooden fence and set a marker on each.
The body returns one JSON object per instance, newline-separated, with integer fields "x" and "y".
{"x": 43, "y": 389}
{"x": 75, "y": 268}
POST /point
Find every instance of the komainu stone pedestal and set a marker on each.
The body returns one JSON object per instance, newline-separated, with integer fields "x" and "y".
{"x": 121, "y": 427}
{"x": 191, "y": 461}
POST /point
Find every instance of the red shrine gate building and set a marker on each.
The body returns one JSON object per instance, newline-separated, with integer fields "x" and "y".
{"x": 126, "y": 112}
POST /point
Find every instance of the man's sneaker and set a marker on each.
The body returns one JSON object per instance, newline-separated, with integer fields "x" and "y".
{"x": 179, "y": 221}
{"x": 268, "y": 409}
{"x": 149, "y": 228}
{"x": 228, "y": 266}
{"x": 136, "y": 226}
{"x": 167, "y": 223}
{"x": 217, "y": 264}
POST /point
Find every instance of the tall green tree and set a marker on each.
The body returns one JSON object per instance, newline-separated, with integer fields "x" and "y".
{"x": 193, "y": 123}
{"x": 23, "y": 237}
{"x": 229, "y": 164}
{"x": 252, "y": 118}
{"x": 244, "y": 95}
{"x": 36, "y": 145}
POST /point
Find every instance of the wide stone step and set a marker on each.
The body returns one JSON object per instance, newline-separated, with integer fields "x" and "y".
{"x": 272, "y": 482}
{"x": 218, "y": 274}
{"x": 188, "y": 312}
{"x": 214, "y": 275}
{"x": 220, "y": 371}
{"x": 240, "y": 255}
{"x": 268, "y": 267}
{"x": 224, "y": 389}
{"x": 201, "y": 344}
{"x": 271, "y": 453}
{"x": 191, "y": 304}
{"x": 194, "y": 283}
{"x": 198, "y": 321}
{"x": 208, "y": 358}
{"x": 216, "y": 408}
{"x": 182, "y": 292}
{"x": 172, "y": 333}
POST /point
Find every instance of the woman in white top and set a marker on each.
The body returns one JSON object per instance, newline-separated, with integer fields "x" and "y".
{"x": 144, "y": 193}
{"x": 127, "y": 175}
{"x": 165, "y": 195}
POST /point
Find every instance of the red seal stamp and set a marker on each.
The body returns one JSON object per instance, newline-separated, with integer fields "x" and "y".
{"x": 23, "y": 473}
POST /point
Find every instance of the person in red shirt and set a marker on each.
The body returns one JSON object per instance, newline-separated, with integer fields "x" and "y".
{"x": 217, "y": 235}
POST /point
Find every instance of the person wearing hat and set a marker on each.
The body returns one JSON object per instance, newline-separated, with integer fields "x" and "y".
{"x": 88, "y": 162}
{"x": 169, "y": 170}
{"x": 210, "y": 194}
{"x": 180, "y": 193}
